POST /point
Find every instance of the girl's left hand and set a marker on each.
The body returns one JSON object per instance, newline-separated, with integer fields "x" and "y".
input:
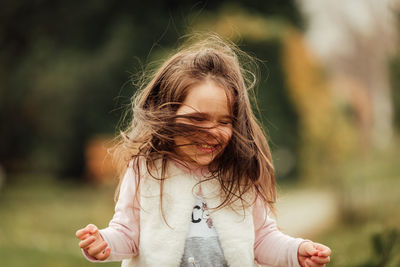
{"x": 312, "y": 254}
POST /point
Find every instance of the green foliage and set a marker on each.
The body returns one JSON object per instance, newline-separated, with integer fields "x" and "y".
{"x": 64, "y": 70}
{"x": 386, "y": 246}
{"x": 277, "y": 115}
{"x": 367, "y": 233}
{"x": 395, "y": 83}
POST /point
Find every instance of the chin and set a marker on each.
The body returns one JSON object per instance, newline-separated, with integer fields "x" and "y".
{"x": 203, "y": 161}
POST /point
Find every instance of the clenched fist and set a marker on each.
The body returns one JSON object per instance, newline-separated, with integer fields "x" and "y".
{"x": 93, "y": 243}
{"x": 312, "y": 254}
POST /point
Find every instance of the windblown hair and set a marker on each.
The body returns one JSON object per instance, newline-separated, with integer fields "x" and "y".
{"x": 245, "y": 165}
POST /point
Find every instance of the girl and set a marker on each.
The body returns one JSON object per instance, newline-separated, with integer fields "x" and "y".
{"x": 198, "y": 183}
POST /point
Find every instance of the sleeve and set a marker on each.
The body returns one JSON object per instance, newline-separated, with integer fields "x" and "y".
{"x": 272, "y": 247}
{"x": 122, "y": 234}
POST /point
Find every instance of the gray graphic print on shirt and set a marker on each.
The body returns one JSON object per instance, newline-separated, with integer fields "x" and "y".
{"x": 202, "y": 242}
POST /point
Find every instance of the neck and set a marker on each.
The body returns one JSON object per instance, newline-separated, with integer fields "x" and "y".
{"x": 195, "y": 169}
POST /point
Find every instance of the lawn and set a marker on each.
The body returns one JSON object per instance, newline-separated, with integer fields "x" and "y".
{"x": 39, "y": 217}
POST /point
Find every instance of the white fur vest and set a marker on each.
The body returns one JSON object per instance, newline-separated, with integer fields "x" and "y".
{"x": 163, "y": 245}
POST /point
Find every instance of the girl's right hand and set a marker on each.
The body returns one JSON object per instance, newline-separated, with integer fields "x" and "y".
{"x": 93, "y": 243}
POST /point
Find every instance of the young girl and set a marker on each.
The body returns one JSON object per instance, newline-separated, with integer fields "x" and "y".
{"x": 198, "y": 184}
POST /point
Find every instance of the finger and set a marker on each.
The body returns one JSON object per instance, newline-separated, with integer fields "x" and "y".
{"x": 306, "y": 248}
{"x": 87, "y": 242}
{"x": 96, "y": 249}
{"x": 324, "y": 251}
{"x": 98, "y": 235}
{"x": 92, "y": 228}
{"x": 302, "y": 260}
{"x": 104, "y": 254}
{"x": 82, "y": 232}
{"x": 320, "y": 260}
{"x": 310, "y": 249}
{"x": 310, "y": 263}
{"x": 85, "y": 236}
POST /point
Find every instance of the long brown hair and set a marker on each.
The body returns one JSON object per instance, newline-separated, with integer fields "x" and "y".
{"x": 245, "y": 166}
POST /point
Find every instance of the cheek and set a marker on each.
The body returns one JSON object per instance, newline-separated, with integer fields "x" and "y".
{"x": 179, "y": 140}
{"x": 226, "y": 134}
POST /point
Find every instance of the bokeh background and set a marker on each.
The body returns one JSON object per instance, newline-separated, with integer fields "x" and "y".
{"x": 328, "y": 93}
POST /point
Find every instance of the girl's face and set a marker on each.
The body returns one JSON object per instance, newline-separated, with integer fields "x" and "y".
{"x": 208, "y": 104}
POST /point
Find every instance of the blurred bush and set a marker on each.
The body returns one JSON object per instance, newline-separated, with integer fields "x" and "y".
{"x": 385, "y": 245}
{"x": 395, "y": 82}
{"x": 65, "y": 69}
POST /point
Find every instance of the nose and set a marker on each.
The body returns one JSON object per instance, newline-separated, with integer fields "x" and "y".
{"x": 213, "y": 130}
{"x": 216, "y": 131}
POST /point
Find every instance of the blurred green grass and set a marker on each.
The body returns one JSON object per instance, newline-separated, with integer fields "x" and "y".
{"x": 40, "y": 214}
{"x": 39, "y": 217}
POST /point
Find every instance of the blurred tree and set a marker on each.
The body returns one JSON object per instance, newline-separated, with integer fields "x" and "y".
{"x": 327, "y": 132}
{"x": 395, "y": 77}
{"x": 395, "y": 83}
{"x": 362, "y": 38}
{"x": 63, "y": 67}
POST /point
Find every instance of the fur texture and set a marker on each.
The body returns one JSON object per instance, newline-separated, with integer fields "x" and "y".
{"x": 163, "y": 245}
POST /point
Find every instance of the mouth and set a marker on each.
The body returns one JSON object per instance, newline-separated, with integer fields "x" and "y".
{"x": 206, "y": 148}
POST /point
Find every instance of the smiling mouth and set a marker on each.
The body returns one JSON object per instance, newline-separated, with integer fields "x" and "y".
{"x": 206, "y": 148}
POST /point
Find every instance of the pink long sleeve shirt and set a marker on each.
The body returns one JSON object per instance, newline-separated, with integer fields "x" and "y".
{"x": 271, "y": 247}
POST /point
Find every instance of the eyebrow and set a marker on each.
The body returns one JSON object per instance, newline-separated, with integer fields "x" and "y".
{"x": 205, "y": 115}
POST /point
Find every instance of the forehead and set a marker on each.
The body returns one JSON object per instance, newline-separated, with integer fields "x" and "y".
{"x": 206, "y": 97}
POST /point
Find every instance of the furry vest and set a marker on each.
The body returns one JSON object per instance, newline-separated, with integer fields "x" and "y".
{"x": 162, "y": 244}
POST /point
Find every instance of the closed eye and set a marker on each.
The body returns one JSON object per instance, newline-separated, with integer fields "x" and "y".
{"x": 197, "y": 119}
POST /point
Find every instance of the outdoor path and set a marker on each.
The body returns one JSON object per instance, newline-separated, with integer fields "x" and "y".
{"x": 306, "y": 212}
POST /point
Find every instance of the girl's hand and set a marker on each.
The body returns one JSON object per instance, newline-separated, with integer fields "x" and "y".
{"x": 312, "y": 254}
{"x": 93, "y": 243}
